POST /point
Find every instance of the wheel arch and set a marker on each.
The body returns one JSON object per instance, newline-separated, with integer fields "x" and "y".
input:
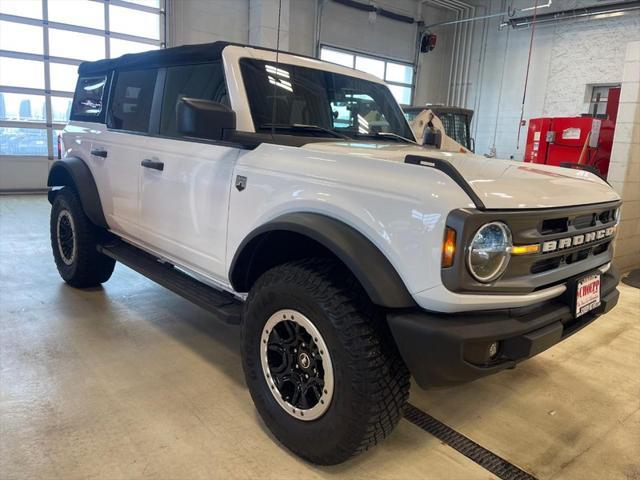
{"x": 298, "y": 235}
{"x": 73, "y": 172}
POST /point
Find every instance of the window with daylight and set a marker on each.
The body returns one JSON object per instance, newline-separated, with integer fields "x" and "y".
{"x": 132, "y": 98}
{"x": 397, "y": 75}
{"x": 42, "y": 42}
{"x": 204, "y": 82}
{"x": 89, "y": 95}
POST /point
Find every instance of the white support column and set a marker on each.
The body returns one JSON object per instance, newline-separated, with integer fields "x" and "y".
{"x": 263, "y": 23}
{"x": 624, "y": 170}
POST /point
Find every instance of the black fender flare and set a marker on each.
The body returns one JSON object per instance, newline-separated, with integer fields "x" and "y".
{"x": 74, "y": 172}
{"x": 368, "y": 264}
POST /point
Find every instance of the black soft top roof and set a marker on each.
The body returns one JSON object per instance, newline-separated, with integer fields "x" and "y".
{"x": 184, "y": 55}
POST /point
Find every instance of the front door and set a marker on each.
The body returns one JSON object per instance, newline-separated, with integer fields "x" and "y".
{"x": 184, "y": 200}
{"x": 185, "y": 184}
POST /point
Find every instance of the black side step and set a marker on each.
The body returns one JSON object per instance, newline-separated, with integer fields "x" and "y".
{"x": 222, "y": 304}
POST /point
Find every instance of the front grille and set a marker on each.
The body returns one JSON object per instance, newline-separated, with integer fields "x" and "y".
{"x": 575, "y": 224}
{"x": 573, "y": 240}
{"x": 579, "y": 222}
{"x": 554, "y": 225}
{"x": 598, "y": 249}
{"x": 546, "y": 264}
{"x": 577, "y": 256}
{"x": 585, "y": 221}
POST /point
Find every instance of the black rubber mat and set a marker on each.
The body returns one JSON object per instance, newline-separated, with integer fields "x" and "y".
{"x": 633, "y": 279}
{"x": 470, "y": 449}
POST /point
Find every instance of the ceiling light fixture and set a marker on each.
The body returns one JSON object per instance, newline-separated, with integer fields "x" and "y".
{"x": 548, "y": 4}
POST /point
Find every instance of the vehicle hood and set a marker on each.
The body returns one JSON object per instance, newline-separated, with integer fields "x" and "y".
{"x": 500, "y": 184}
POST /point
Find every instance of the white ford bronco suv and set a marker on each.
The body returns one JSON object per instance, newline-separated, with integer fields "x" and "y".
{"x": 288, "y": 195}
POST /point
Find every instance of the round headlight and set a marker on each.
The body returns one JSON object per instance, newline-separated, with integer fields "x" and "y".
{"x": 489, "y": 252}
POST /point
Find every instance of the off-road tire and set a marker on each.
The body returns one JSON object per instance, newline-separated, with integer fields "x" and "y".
{"x": 83, "y": 266}
{"x": 371, "y": 380}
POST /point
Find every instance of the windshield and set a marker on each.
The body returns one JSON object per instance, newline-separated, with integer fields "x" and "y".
{"x": 411, "y": 115}
{"x": 308, "y": 97}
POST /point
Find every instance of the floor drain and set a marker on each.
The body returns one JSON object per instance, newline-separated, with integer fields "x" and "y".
{"x": 470, "y": 449}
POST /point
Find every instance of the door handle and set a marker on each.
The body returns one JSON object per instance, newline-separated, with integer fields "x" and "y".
{"x": 98, "y": 152}
{"x": 154, "y": 164}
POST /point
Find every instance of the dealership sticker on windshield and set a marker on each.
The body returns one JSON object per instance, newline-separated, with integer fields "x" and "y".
{"x": 588, "y": 294}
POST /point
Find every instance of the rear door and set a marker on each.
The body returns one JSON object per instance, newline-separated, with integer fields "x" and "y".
{"x": 185, "y": 184}
{"x": 86, "y": 127}
{"x": 120, "y": 149}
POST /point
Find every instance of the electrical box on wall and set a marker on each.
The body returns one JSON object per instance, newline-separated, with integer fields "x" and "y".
{"x": 427, "y": 42}
{"x": 584, "y": 140}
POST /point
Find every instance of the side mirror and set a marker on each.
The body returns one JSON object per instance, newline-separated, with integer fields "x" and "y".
{"x": 204, "y": 118}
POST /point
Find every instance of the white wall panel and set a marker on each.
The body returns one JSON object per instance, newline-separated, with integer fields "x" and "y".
{"x": 204, "y": 21}
{"x": 435, "y": 66}
{"x": 624, "y": 172}
{"x": 357, "y": 30}
{"x": 23, "y": 173}
{"x": 302, "y": 26}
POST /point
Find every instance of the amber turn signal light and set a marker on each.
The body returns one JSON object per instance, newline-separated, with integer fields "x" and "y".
{"x": 448, "y": 247}
{"x": 525, "y": 249}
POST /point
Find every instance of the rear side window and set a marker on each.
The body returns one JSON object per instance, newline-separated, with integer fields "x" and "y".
{"x": 205, "y": 82}
{"x": 88, "y": 98}
{"x": 132, "y": 99}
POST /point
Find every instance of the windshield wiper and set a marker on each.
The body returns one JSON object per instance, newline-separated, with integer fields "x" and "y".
{"x": 395, "y": 136}
{"x": 302, "y": 127}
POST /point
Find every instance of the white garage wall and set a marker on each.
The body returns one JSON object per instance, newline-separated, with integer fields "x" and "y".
{"x": 352, "y": 29}
{"x": 349, "y": 28}
{"x": 302, "y": 26}
{"x": 434, "y": 67}
{"x": 204, "y": 21}
{"x": 586, "y": 53}
{"x": 624, "y": 172}
{"x": 21, "y": 173}
{"x": 198, "y": 21}
{"x": 566, "y": 58}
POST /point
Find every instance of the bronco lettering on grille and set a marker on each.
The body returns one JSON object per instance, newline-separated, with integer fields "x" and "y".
{"x": 563, "y": 243}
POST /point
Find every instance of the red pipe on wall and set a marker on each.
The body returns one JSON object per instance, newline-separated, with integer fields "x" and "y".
{"x": 526, "y": 78}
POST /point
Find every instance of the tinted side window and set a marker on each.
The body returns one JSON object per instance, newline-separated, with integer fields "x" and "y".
{"x": 88, "y": 98}
{"x": 205, "y": 81}
{"x": 132, "y": 99}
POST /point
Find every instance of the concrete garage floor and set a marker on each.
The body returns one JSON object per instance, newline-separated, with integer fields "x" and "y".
{"x": 131, "y": 381}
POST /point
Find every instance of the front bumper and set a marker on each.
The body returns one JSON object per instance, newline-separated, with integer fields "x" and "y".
{"x": 445, "y": 349}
